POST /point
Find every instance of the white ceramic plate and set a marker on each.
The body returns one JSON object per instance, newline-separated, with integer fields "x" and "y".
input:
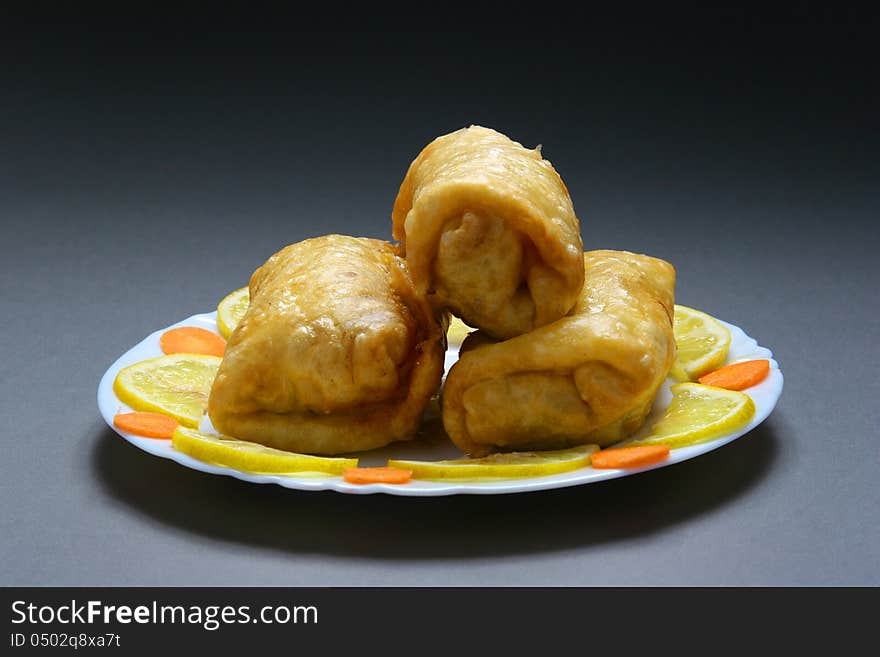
{"x": 742, "y": 347}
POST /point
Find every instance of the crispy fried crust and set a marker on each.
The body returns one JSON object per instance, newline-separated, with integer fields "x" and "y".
{"x": 337, "y": 353}
{"x": 490, "y": 232}
{"x": 590, "y": 377}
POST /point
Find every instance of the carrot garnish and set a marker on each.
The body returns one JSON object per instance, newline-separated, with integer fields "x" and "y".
{"x": 192, "y": 340}
{"x": 383, "y": 475}
{"x": 738, "y": 376}
{"x": 150, "y": 425}
{"x": 630, "y": 457}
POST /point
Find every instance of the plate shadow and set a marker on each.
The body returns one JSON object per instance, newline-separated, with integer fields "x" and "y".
{"x": 461, "y": 526}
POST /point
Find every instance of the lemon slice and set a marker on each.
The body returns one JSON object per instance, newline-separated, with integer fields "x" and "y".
{"x": 251, "y": 457}
{"x": 177, "y": 385}
{"x": 457, "y": 331}
{"x": 698, "y": 414}
{"x": 507, "y": 465}
{"x": 231, "y": 309}
{"x": 701, "y": 341}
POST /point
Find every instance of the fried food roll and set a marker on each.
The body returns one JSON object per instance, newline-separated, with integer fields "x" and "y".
{"x": 590, "y": 377}
{"x": 490, "y": 232}
{"x": 337, "y": 353}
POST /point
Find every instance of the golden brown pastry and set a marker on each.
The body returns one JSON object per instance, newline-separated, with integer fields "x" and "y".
{"x": 590, "y": 377}
{"x": 490, "y": 232}
{"x": 337, "y": 353}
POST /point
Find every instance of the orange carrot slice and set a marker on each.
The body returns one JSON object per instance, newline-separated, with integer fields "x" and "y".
{"x": 383, "y": 475}
{"x": 738, "y": 376}
{"x": 150, "y": 425}
{"x": 630, "y": 457}
{"x": 192, "y": 340}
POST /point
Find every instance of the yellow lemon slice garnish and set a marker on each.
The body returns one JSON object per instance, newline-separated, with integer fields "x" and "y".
{"x": 506, "y": 465}
{"x": 701, "y": 341}
{"x": 177, "y": 385}
{"x": 230, "y": 311}
{"x": 457, "y": 331}
{"x": 698, "y": 414}
{"x": 251, "y": 457}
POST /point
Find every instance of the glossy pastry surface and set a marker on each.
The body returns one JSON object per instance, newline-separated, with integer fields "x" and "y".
{"x": 590, "y": 377}
{"x": 336, "y": 353}
{"x": 490, "y": 232}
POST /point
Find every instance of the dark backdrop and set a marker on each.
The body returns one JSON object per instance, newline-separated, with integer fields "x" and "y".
{"x": 149, "y": 163}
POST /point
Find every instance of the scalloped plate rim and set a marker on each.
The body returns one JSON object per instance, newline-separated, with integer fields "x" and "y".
{"x": 743, "y": 347}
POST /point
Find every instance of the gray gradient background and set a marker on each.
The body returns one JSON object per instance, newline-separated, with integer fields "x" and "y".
{"x": 146, "y": 172}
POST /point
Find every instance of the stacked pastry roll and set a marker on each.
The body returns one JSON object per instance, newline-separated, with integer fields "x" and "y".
{"x": 589, "y": 377}
{"x": 336, "y": 353}
{"x": 572, "y": 347}
{"x": 343, "y": 344}
{"x": 490, "y": 232}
